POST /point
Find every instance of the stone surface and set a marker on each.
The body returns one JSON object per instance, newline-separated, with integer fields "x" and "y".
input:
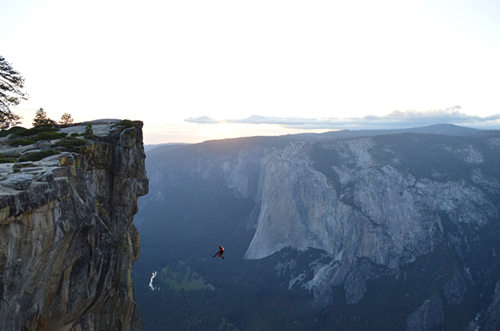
{"x": 67, "y": 242}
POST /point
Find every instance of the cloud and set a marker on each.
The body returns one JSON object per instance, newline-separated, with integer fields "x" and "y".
{"x": 202, "y": 120}
{"x": 396, "y": 119}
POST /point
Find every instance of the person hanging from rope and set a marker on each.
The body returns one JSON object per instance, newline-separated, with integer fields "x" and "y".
{"x": 220, "y": 252}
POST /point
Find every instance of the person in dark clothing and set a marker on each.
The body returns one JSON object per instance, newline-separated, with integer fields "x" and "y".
{"x": 220, "y": 252}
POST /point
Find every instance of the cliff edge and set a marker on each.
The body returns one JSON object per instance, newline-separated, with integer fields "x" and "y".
{"x": 67, "y": 241}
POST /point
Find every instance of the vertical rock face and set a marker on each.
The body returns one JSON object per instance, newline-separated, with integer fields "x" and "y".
{"x": 363, "y": 208}
{"x": 67, "y": 242}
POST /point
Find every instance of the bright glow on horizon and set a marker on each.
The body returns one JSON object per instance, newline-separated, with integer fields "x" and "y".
{"x": 195, "y": 133}
{"x": 166, "y": 61}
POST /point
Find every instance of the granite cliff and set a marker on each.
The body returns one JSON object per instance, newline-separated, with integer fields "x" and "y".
{"x": 67, "y": 242}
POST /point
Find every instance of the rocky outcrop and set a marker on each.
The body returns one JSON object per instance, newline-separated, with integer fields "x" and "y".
{"x": 67, "y": 242}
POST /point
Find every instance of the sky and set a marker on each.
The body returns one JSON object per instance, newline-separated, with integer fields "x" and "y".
{"x": 197, "y": 70}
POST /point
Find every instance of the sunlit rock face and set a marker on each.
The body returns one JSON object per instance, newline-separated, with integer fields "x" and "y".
{"x": 361, "y": 211}
{"x": 67, "y": 242}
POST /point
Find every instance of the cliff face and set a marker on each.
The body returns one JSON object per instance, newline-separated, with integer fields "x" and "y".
{"x": 67, "y": 242}
{"x": 363, "y": 212}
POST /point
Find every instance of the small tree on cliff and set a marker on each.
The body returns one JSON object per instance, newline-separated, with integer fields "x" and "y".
{"x": 41, "y": 119}
{"x": 89, "y": 132}
{"x": 11, "y": 93}
{"x": 66, "y": 119}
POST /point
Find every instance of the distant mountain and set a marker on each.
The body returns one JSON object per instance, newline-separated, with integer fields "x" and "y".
{"x": 348, "y": 230}
{"x": 153, "y": 146}
{"x": 443, "y": 129}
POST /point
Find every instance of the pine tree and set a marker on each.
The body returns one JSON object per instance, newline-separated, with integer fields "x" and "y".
{"x": 66, "y": 119}
{"x": 11, "y": 93}
{"x": 41, "y": 119}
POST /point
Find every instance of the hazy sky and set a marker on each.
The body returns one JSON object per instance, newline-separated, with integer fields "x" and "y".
{"x": 197, "y": 70}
